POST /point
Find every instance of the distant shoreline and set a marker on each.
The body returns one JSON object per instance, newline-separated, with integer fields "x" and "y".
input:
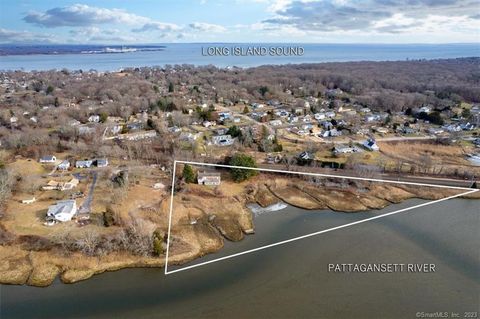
{"x": 28, "y": 50}
{"x": 106, "y": 57}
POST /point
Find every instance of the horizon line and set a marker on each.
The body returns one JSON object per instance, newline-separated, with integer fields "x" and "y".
{"x": 253, "y": 42}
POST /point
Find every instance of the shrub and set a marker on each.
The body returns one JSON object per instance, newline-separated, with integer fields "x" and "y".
{"x": 238, "y": 174}
{"x": 109, "y": 217}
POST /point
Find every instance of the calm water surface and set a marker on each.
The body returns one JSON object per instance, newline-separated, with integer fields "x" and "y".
{"x": 191, "y": 53}
{"x": 292, "y": 281}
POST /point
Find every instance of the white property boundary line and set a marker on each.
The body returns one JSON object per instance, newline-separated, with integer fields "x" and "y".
{"x": 304, "y": 236}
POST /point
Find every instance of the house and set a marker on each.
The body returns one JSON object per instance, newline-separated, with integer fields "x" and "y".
{"x": 70, "y": 184}
{"x": 61, "y": 186}
{"x": 62, "y": 211}
{"x": 102, "y": 162}
{"x": 293, "y": 119}
{"x": 330, "y": 114}
{"x": 273, "y": 158}
{"x": 224, "y": 116}
{"x": 435, "y": 130}
{"x": 174, "y": 129}
{"x": 342, "y": 149}
{"x": 221, "y": 131}
{"x": 52, "y": 185}
{"x": 222, "y": 140}
{"x": 452, "y": 128}
{"x": 425, "y": 109}
{"x": 209, "y": 123}
{"x": 137, "y": 135}
{"x": 327, "y": 125}
{"x": 371, "y": 145}
{"x": 83, "y": 164}
{"x": 275, "y": 123}
{"x": 331, "y": 133}
{"x": 208, "y": 178}
{"x": 48, "y": 159}
{"x": 408, "y": 130}
{"x": 282, "y": 113}
{"x": 467, "y": 126}
{"x": 319, "y": 116}
{"x": 187, "y": 136}
{"x": 372, "y": 118}
{"x": 380, "y": 129}
{"x": 299, "y": 110}
{"x": 365, "y": 110}
{"x": 94, "y": 118}
{"x": 306, "y": 156}
{"x": 64, "y": 165}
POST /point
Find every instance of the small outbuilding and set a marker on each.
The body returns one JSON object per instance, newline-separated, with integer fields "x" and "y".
{"x": 208, "y": 178}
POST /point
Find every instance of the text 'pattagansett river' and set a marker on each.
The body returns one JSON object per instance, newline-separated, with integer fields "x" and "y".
{"x": 381, "y": 268}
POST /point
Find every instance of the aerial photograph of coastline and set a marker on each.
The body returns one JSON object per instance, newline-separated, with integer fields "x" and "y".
{"x": 239, "y": 159}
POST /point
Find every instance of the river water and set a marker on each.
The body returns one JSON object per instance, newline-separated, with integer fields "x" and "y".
{"x": 292, "y": 280}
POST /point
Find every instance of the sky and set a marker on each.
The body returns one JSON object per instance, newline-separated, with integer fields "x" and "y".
{"x": 261, "y": 21}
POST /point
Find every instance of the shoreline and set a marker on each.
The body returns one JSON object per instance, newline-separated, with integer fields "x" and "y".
{"x": 208, "y": 234}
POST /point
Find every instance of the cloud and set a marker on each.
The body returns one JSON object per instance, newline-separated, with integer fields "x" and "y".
{"x": 157, "y": 26}
{"x": 80, "y": 15}
{"x": 13, "y": 36}
{"x": 381, "y": 16}
{"x": 207, "y": 27}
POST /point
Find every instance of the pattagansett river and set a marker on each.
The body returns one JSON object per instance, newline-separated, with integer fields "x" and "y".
{"x": 292, "y": 280}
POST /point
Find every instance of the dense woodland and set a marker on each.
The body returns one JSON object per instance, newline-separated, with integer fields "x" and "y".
{"x": 56, "y": 98}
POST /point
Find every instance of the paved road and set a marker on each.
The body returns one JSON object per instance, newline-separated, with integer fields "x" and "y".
{"x": 87, "y": 203}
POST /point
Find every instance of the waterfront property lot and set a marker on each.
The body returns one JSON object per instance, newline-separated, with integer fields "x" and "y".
{"x": 305, "y": 205}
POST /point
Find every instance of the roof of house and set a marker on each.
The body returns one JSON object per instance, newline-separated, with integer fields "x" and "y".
{"x": 102, "y": 161}
{"x": 63, "y": 206}
{"x": 208, "y": 174}
{"x": 48, "y": 158}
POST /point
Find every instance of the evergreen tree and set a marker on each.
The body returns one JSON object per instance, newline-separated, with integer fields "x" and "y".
{"x": 188, "y": 174}
{"x": 239, "y": 174}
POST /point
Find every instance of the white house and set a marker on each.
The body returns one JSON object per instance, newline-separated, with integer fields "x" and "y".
{"x": 208, "y": 178}
{"x": 371, "y": 145}
{"x": 331, "y": 133}
{"x": 342, "y": 149}
{"x": 62, "y": 211}
{"x": 330, "y": 114}
{"x": 222, "y": 140}
{"x": 48, "y": 159}
{"x": 425, "y": 109}
{"x": 102, "y": 162}
{"x": 94, "y": 118}
{"x": 64, "y": 165}
{"x": 83, "y": 164}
